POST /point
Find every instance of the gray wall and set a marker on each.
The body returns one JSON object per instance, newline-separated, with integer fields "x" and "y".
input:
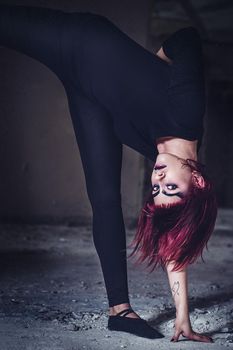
{"x": 219, "y": 137}
{"x": 42, "y": 179}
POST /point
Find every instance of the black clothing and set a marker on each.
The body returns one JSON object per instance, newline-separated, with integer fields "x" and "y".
{"x": 137, "y": 326}
{"x": 146, "y": 97}
{"x": 118, "y": 92}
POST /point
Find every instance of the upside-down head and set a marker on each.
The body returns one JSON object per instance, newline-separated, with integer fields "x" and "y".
{"x": 178, "y": 218}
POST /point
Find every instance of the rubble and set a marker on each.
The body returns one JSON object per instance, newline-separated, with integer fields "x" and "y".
{"x": 53, "y": 295}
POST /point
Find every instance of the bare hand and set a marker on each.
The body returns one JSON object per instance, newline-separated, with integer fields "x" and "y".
{"x": 184, "y": 328}
{"x": 160, "y": 53}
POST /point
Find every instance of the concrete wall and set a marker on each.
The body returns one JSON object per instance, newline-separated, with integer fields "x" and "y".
{"x": 42, "y": 179}
{"x": 219, "y": 143}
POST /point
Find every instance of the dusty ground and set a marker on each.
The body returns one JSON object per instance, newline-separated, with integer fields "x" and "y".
{"x": 53, "y": 296}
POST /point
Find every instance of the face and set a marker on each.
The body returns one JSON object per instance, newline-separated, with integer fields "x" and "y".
{"x": 171, "y": 181}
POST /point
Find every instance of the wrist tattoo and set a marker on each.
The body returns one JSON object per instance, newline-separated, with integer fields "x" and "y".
{"x": 175, "y": 288}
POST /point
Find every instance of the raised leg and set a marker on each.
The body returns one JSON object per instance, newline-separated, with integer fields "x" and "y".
{"x": 33, "y": 31}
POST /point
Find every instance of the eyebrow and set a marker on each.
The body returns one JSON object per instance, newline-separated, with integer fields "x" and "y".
{"x": 178, "y": 194}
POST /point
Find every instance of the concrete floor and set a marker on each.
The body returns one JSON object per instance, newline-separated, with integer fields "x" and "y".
{"x": 53, "y": 295}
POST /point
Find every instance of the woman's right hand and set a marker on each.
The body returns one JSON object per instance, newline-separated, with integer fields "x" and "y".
{"x": 183, "y": 327}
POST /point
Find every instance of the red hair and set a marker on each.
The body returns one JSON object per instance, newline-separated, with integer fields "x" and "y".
{"x": 179, "y": 231}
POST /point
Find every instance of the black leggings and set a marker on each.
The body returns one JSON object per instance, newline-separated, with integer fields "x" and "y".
{"x": 41, "y": 34}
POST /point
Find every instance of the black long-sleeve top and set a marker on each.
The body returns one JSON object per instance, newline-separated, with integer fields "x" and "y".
{"x": 146, "y": 97}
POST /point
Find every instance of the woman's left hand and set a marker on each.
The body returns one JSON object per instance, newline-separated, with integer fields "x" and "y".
{"x": 183, "y": 327}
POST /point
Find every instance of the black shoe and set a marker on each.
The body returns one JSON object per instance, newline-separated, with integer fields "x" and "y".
{"x": 136, "y": 326}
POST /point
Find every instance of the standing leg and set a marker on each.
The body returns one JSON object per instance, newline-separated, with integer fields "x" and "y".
{"x": 101, "y": 155}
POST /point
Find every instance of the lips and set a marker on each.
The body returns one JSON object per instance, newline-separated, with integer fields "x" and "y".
{"x": 159, "y": 166}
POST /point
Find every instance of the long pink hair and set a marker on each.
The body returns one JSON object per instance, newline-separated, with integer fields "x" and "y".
{"x": 176, "y": 232}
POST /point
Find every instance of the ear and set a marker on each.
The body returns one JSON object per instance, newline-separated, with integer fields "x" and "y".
{"x": 198, "y": 179}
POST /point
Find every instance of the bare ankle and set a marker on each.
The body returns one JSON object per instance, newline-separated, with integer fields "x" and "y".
{"x": 117, "y": 308}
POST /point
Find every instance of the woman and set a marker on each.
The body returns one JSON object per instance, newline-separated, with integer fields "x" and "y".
{"x": 120, "y": 93}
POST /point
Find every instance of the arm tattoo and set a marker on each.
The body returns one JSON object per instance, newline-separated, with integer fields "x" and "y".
{"x": 175, "y": 288}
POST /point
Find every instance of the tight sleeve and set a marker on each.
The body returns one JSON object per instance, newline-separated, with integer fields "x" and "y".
{"x": 182, "y": 41}
{"x": 186, "y": 93}
{"x": 184, "y": 48}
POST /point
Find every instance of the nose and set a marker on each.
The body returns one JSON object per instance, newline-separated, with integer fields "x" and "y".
{"x": 159, "y": 174}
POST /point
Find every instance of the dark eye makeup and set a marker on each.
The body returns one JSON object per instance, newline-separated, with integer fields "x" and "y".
{"x": 169, "y": 186}
{"x": 155, "y": 191}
